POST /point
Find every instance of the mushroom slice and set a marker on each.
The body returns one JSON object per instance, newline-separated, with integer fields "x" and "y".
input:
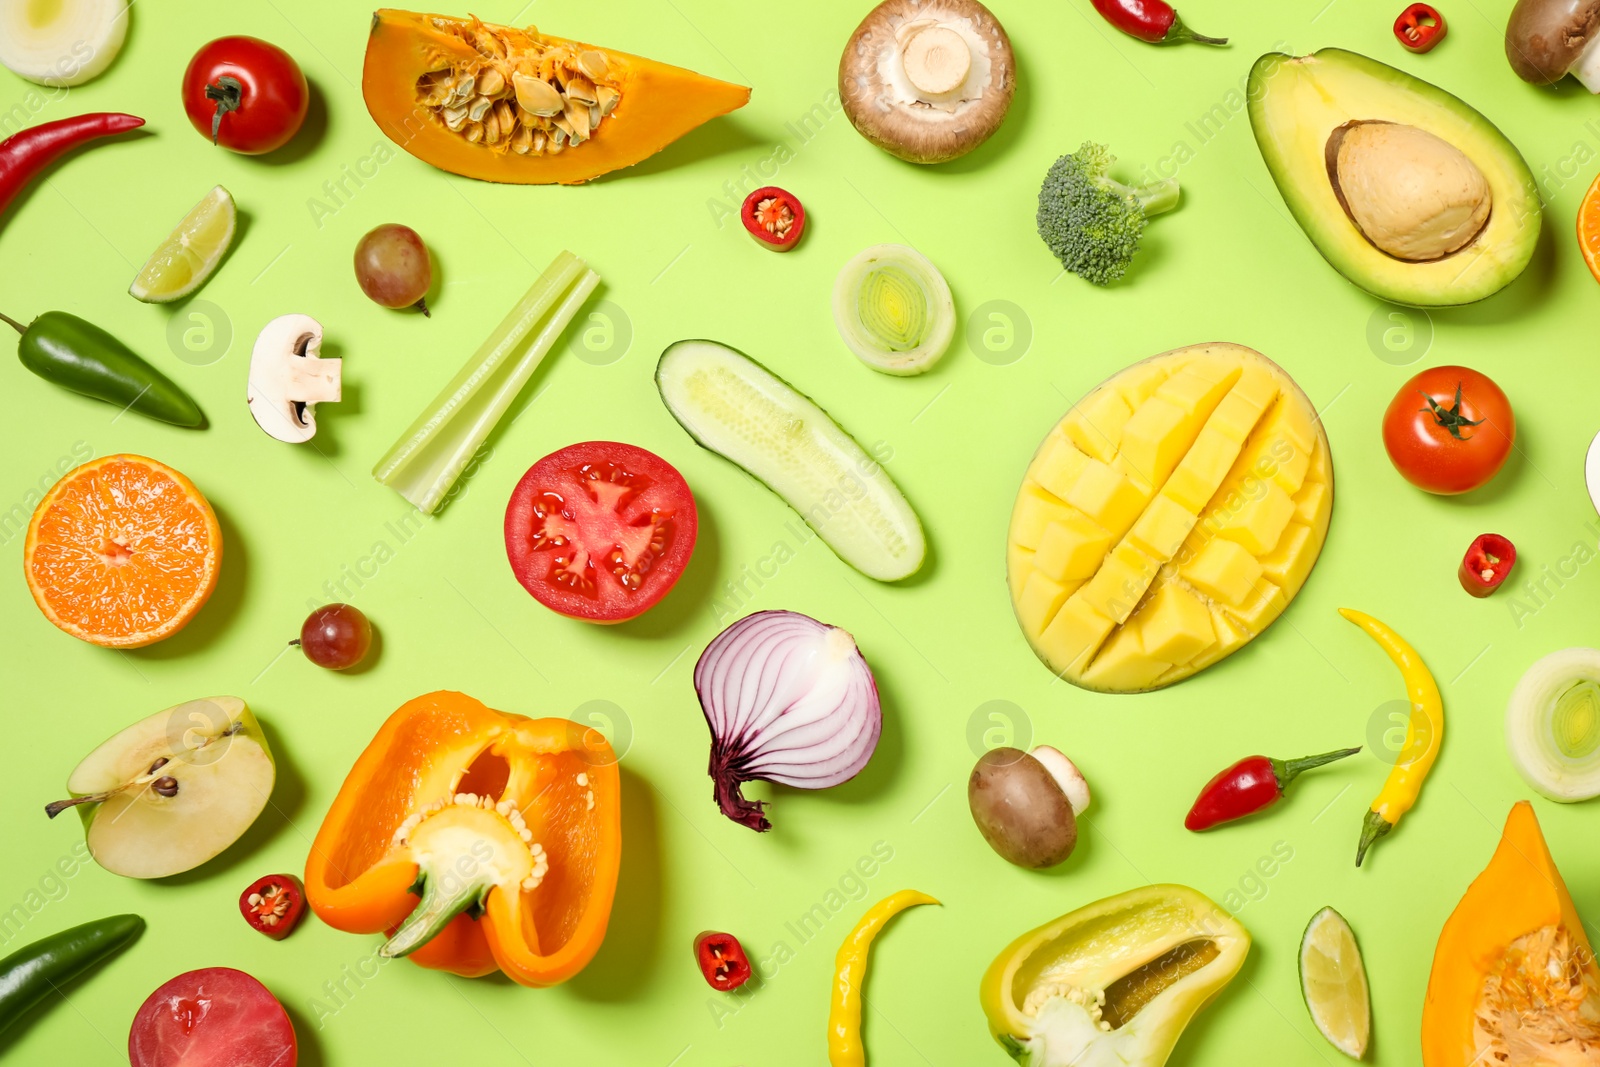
{"x": 1548, "y": 39}
{"x": 928, "y": 80}
{"x": 289, "y": 378}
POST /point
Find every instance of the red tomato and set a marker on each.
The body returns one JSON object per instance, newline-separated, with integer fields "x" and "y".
{"x": 245, "y": 94}
{"x": 600, "y": 530}
{"x": 1449, "y": 430}
{"x": 208, "y": 1018}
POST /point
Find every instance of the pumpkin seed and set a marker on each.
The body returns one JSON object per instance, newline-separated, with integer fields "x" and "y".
{"x": 537, "y": 96}
{"x": 577, "y": 116}
{"x": 474, "y": 132}
{"x": 454, "y": 117}
{"x": 593, "y": 63}
{"x": 479, "y": 107}
{"x": 581, "y": 89}
{"x": 608, "y": 98}
{"x": 491, "y": 82}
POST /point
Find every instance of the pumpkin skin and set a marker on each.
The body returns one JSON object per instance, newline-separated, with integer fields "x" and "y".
{"x": 1521, "y": 891}
{"x": 659, "y": 104}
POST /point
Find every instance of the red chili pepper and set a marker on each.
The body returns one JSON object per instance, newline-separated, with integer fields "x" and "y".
{"x": 1419, "y": 28}
{"x": 1150, "y": 20}
{"x": 27, "y": 152}
{"x": 774, "y": 217}
{"x": 1251, "y": 785}
{"x": 1488, "y": 563}
{"x": 722, "y": 960}
{"x": 273, "y": 905}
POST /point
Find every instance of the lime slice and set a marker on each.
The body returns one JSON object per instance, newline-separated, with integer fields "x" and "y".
{"x": 1334, "y": 983}
{"x": 186, "y": 259}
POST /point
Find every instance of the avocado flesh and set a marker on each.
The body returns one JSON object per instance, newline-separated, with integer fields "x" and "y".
{"x": 1298, "y": 102}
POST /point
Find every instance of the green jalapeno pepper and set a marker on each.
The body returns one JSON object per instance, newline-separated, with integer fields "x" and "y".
{"x": 78, "y": 355}
{"x": 34, "y": 971}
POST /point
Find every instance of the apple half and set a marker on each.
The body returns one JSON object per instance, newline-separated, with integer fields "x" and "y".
{"x": 171, "y": 791}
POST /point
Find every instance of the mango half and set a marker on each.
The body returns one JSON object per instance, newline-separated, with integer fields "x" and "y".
{"x": 1169, "y": 518}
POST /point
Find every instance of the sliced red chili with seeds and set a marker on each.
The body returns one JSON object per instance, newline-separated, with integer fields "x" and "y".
{"x": 600, "y": 530}
{"x": 1419, "y": 28}
{"x": 722, "y": 960}
{"x": 774, "y": 217}
{"x": 273, "y": 905}
{"x": 1487, "y": 564}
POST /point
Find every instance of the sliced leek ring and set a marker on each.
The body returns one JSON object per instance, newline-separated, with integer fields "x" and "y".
{"x": 1553, "y": 725}
{"x": 61, "y": 42}
{"x": 894, "y": 310}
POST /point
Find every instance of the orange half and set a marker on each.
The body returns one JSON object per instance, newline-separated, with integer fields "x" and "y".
{"x": 122, "y": 552}
{"x": 1589, "y": 228}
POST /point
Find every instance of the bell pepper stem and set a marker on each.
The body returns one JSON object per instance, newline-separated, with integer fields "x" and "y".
{"x": 1287, "y": 770}
{"x": 444, "y": 896}
{"x": 1373, "y": 827}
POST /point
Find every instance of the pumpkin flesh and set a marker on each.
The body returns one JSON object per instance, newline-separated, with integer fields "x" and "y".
{"x": 509, "y": 105}
{"x": 1514, "y": 980}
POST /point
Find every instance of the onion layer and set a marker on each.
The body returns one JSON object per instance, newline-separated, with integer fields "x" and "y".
{"x": 788, "y": 700}
{"x": 1553, "y": 725}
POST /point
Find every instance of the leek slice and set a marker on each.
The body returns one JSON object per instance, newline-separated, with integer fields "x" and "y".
{"x": 1553, "y": 725}
{"x": 894, "y": 310}
{"x": 424, "y": 464}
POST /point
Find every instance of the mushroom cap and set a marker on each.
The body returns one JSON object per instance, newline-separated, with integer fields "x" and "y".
{"x": 288, "y": 378}
{"x": 916, "y": 131}
{"x": 1545, "y": 37}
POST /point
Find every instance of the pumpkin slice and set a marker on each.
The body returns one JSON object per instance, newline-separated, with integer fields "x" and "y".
{"x": 509, "y": 105}
{"x": 1514, "y": 981}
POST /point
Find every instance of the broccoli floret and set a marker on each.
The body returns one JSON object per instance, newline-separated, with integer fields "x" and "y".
{"x": 1092, "y": 222}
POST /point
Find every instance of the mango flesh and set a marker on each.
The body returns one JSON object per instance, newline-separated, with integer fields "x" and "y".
{"x": 1169, "y": 518}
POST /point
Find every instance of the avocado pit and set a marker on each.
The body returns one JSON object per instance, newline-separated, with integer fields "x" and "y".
{"x": 1412, "y": 194}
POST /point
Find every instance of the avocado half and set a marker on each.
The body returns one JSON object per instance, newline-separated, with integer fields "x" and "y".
{"x": 1297, "y": 103}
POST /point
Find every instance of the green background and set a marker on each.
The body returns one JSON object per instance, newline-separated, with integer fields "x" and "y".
{"x": 1229, "y": 265}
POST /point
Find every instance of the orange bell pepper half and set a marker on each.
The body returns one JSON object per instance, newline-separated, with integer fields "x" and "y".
{"x": 476, "y": 839}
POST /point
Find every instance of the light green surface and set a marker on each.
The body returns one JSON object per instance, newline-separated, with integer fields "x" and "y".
{"x": 1228, "y": 265}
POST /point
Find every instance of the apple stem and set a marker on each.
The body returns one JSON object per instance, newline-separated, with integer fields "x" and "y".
{"x": 57, "y": 807}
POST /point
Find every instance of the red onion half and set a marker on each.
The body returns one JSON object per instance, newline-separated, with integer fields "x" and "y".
{"x": 789, "y": 700}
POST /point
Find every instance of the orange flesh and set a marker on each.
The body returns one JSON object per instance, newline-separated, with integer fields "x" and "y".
{"x": 1589, "y": 228}
{"x": 122, "y": 552}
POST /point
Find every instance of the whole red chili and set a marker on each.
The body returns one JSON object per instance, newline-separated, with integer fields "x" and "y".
{"x": 722, "y": 960}
{"x": 774, "y": 217}
{"x": 1419, "y": 28}
{"x": 1487, "y": 564}
{"x": 1251, "y": 785}
{"x": 273, "y": 905}
{"x": 1150, "y": 20}
{"x": 27, "y": 152}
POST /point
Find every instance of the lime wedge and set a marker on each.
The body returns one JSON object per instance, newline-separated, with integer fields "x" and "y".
{"x": 1334, "y": 983}
{"x": 187, "y": 257}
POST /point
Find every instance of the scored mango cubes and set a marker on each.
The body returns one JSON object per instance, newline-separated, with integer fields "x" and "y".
{"x": 1169, "y": 518}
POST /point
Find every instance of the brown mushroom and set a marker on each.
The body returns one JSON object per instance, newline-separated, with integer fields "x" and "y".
{"x": 1549, "y": 39}
{"x": 928, "y": 80}
{"x": 1026, "y": 804}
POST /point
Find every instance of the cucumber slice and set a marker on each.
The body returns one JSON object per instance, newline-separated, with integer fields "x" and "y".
{"x": 738, "y": 409}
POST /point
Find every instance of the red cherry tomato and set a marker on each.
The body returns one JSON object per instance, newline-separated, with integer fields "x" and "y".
{"x": 245, "y": 94}
{"x": 215, "y": 1015}
{"x": 600, "y": 530}
{"x": 1449, "y": 430}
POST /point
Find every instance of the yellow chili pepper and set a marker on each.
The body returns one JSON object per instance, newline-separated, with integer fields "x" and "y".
{"x": 850, "y": 972}
{"x": 1424, "y": 733}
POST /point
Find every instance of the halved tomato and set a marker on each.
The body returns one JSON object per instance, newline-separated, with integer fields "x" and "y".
{"x": 600, "y": 530}
{"x": 215, "y": 1015}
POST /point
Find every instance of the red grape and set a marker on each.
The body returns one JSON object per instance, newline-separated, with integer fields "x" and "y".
{"x": 392, "y": 267}
{"x": 335, "y": 636}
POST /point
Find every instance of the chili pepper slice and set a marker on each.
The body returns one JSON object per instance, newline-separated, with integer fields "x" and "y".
{"x": 80, "y": 356}
{"x": 273, "y": 905}
{"x": 1487, "y": 564}
{"x": 774, "y": 217}
{"x": 1154, "y": 21}
{"x": 1251, "y": 785}
{"x": 1419, "y": 28}
{"x": 722, "y": 960}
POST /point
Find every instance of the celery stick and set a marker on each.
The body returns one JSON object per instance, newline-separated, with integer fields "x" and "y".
{"x": 425, "y": 463}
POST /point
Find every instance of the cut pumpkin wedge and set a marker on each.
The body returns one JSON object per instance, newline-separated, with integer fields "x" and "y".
{"x": 508, "y": 105}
